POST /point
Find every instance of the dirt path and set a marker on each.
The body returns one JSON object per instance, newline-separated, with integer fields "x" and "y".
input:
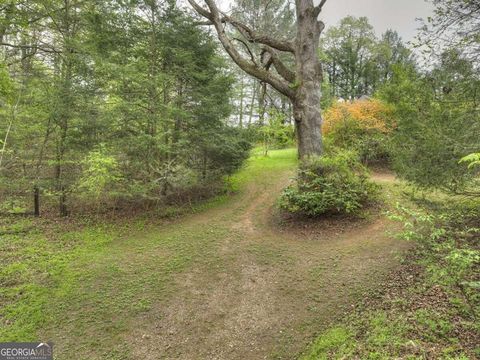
{"x": 270, "y": 288}
{"x": 228, "y": 282}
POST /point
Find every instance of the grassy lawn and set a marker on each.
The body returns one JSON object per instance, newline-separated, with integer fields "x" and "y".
{"x": 80, "y": 282}
{"x": 100, "y": 288}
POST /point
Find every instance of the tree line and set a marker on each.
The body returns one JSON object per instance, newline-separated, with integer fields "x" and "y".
{"x": 124, "y": 97}
{"x": 123, "y": 102}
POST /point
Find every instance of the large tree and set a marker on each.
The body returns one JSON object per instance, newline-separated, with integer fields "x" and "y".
{"x": 349, "y": 52}
{"x": 356, "y": 62}
{"x": 302, "y": 85}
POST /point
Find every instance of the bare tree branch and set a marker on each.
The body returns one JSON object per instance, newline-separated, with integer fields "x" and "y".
{"x": 319, "y": 7}
{"x": 33, "y": 47}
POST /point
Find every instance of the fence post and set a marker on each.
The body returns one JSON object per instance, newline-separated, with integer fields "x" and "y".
{"x": 36, "y": 200}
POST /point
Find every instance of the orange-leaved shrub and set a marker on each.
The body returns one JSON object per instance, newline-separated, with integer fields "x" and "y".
{"x": 361, "y": 125}
{"x": 371, "y": 114}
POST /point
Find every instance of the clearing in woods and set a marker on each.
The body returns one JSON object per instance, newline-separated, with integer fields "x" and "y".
{"x": 226, "y": 282}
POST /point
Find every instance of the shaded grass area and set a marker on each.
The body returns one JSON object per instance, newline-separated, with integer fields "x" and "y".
{"x": 259, "y": 167}
{"x": 80, "y": 282}
{"x": 429, "y": 309}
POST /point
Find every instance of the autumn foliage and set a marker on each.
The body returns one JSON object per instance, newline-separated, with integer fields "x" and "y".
{"x": 363, "y": 126}
{"x": 364, "y": 115}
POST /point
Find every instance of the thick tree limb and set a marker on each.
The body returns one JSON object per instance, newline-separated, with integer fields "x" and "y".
{"x": 200, "y": 10}
{"x": 252, "y": 58}
{"x": 250, "y": 68}
{"x": 281, "y": 68}
{"x": 254, "y": 37}
{"x": 250, "y": 34}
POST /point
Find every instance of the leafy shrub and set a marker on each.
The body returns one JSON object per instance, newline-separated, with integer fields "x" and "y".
{"x": 12, "y": 206}
{"x": 438, "y": 123}
{"x": 225, "y": 153}
{"x": 449, "y": 250}
{"x": 473, "y": 160}
{"x": 331, "y": 184}
{"x": 100, "y": 172}
{"x": 277, "y": 133}
{"x": 362, "y": 125}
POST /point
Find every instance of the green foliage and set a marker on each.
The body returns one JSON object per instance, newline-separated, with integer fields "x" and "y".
{"x": 226, "y": 152}
{"x": 386, "y": 338}
{"x": 329, "y": 342}
{"x": 356, "y": 61}
{"x": 6, "y": 84}
{"x": 362, "y": 125}
{"x": 436, "y": 314}
{"x": 100, "y": 173}
{"x": 277, "y": 133}
{"x": 449, "y": 249}
{"x": 151, "y": 89}
{"x": 432, "y": 324}
{"x": 258, "y": 164}
{"x": 332, "y": 184}
{"x": 454, "y": 24}
{"x": 438, "y": 124}
{"x": 56, "y": 274}
{"x": 327, "y": 98}
{"x": 12, "y": 206}
{"x": 472, "y": 160}
{"x": 373, "y": 148}
{"x": 371, "y": 145}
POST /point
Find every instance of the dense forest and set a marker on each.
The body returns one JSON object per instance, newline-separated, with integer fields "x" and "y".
{"x": 124, "y": 98}
{"x": 241, "y": 177}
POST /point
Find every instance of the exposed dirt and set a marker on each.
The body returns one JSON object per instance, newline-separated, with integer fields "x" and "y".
{"x": 383, "y": 176}
{"x": 272, "y": 289}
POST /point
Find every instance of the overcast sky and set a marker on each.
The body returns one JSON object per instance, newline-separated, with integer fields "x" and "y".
{"x": 397, "y": 15}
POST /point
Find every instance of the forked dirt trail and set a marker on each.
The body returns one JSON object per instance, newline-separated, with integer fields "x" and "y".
{"x": 265, "y": 289}
{"x": 228, "y": 282}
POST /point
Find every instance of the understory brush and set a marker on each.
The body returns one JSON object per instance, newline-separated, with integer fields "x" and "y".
{"x": 364, "y": 126}
{"x": 430, "y": 308}
{"x": 336, "y": 183}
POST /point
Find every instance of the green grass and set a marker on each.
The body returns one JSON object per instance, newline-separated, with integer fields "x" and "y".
{"x": 83, "y": 283}
{"x": 124, "y": 280}
{"x": 258, "y": 165}
{"x": 89, "y": 276}
{"x": 36, "y": 270}
{"x": 377, "y": 337}
{"x": 336, "y": 340}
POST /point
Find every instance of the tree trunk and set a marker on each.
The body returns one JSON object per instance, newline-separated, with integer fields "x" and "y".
{"x": 262, "y": 103}
{"x": 303, "y": 86}
{"x": 306, "y": 105}
{"x": 308, "y": 124}
{"x": 242, "y": 89}
{"x": 252, "y": 103}
{"x": 36, "y": 200}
